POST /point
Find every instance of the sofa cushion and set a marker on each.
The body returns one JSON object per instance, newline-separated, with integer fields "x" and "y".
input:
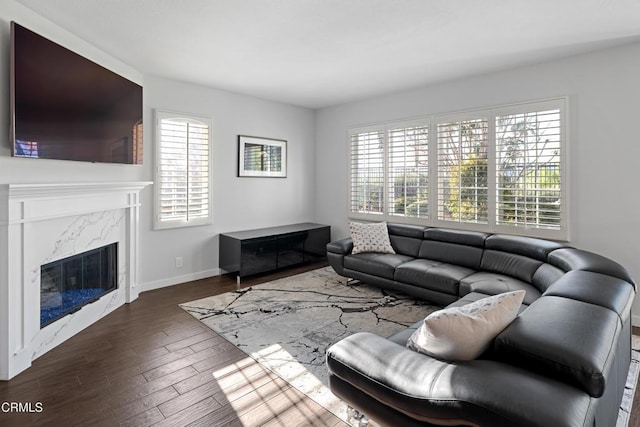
{"x": 434, "y": 297}
{"x": 575, "y": 259}
{"x": 563, "y": 339}
{"x": 370, "y": 238}
{"x": 464, "y": 333}
{"x": 545, "y": 276}
{"x": 406, "y": 239}
{"x": 452, "y": 253}
{"x": 529, "y": 247}
{"x": 460, "y": 237}
{"x": 513, "y": 265}
{"x": 405, "y": 245}
{"x": 594, "y": 288}
{"x": 493, "y": 284}
{"x": 375, "y": 264}
{"x": 406, "y": 230}
{"x": 430, "y": 274}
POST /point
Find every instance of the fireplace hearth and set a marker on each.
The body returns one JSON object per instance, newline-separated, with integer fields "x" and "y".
{"x": 69, "y": 284}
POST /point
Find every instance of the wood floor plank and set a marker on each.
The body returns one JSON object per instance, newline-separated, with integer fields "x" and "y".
{"x": 183, "y": 362}
{"x": 288, "y": 409}
{"x": 231, "y": 354}
{"x": 124, "y": 395}
{"x": 147, "y": 418}
{"x": 210, "y": 342}
{"x": 190, "y": 341}
{"x": 148, "y": 365}
{"x": 246, "y": 366}
{"x": 237, "y": 390}
{"x": 190, "y": 414}
{"x": 229, "y": 414}
{"x": 139, "y": 406}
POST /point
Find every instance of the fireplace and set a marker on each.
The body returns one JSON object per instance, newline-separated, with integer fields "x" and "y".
{"x": 69, "y": 284}
{"x": 68, "y": 257}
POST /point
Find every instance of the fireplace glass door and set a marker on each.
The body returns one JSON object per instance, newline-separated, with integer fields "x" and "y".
{"x": 68, "y": 284}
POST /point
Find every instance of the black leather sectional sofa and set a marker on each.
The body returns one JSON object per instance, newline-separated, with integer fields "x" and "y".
{"x": 562, "y": 362}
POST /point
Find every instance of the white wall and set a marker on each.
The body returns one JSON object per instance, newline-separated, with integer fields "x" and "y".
{"x": 238, "y": 203}
{"x": 604, "y": 108}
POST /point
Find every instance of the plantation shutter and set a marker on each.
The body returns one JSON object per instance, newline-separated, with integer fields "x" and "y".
{"x": 463, "y": 170}
{"x": 528, "y": 169}
{"x": 495, "y": 170}
{"x": 408, "y": 171}
{"x": 183, "y": 184}
{"x": 366, "y": 191}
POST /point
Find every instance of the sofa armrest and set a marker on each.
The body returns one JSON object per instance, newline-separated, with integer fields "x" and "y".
{"x": 341, "y": 247}
{"x": 336, "y": 252}
{"x": 482, "y": 392}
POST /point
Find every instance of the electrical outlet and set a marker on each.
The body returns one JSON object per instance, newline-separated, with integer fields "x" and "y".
{"x": 178, "y": 261}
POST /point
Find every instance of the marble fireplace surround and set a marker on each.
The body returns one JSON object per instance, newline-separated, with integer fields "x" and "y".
{"x": 41, "y": 223}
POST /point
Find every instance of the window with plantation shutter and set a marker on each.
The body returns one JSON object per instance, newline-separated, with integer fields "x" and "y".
{"x": 497, "y": 170}
{"x": 389, "y": 173}
{"x": 408, "y": 171}
{"x": 367, "y": 172}
{"x": 463, "y": 170}
{"x": 183, "y": 187}
{"x": 529, "y": 168}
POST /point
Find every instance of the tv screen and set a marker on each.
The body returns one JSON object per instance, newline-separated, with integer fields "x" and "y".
{"x": 64, "y": 106}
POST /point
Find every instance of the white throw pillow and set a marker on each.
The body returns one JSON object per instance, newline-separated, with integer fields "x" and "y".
{"x": 464, "y": 333}
{"x": 370, "y": 238}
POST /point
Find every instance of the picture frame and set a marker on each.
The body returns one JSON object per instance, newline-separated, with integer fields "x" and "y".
{"x": 262, "y": 157}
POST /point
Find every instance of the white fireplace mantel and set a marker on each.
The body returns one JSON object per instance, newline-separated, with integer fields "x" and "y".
{"x": 41, "y": 223}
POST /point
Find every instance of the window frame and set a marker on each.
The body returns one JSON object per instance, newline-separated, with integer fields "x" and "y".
{"x": 542, "y": 232}
{"x": 449, "y": 118}
{"x": 385, "y": 129}
{"x": 560, "y": 234}
{"x": 158, "y": 222}
{"x": 404, "y": 127}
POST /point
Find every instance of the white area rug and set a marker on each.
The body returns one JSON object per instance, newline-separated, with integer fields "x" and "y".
{"x": 287, "y": 325}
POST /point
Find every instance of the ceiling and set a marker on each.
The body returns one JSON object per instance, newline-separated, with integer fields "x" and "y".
{"x": 318, "y": 53}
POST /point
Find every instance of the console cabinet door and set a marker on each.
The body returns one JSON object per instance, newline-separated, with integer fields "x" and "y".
{"x": 315, "y": 244}
{"x": 258, "y": 255}
{"x": 291, "y": 249}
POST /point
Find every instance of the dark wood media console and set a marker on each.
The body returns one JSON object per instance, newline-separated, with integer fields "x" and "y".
{"x": 267, "y": 249}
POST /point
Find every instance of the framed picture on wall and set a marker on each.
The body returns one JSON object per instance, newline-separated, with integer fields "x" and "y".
{"x": 262, "y": 157}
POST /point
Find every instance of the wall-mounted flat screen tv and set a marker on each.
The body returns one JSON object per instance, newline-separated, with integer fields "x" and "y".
{"x": 64, "y": 106}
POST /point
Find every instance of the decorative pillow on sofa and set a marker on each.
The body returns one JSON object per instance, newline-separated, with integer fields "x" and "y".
{"x": 370, "y": 238}
{"x": 464, "y": 333}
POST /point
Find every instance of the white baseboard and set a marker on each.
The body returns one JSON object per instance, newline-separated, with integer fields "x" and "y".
{"x": 176, "y": 280}
{"x": 635, "y": 320}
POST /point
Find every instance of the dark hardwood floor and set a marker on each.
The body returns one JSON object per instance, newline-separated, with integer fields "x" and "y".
{"x": 151, "y": 363}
